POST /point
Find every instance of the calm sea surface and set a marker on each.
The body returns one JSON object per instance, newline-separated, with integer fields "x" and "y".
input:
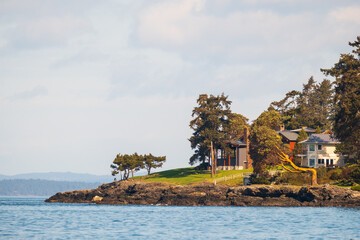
{"x": 31, "y": 218}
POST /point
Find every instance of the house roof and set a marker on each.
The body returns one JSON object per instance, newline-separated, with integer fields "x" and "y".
{"x": 321, "y": 138}
{"x": 306, "y": 129}
{"x": 289, "y": 135}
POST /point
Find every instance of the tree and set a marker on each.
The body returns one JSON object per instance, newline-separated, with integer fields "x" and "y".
{"x": 151, "y": 161}
{"x": 311, "y": 107}
{"x": 270, "y": 119}
{"x": 126, "y": 163}
{"x": 236, "y": 126}
{"x": 325, "y": 104}
{"x": 347, "y": 99}
{"x": 263, "y": 141}
{"x": 211, "y": 118}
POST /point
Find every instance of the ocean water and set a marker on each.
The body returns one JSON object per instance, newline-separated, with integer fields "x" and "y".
{"x": 31, "y": 218}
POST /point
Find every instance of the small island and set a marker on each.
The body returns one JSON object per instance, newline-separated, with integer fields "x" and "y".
{"x": 162, "y": 189}
{"x": 303, "y": 150}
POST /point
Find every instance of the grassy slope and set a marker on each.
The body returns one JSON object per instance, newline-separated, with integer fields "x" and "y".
{"x": 184, "y": 176}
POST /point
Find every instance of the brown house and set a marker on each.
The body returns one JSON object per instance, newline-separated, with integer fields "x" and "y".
{"x": 238, "y": 157}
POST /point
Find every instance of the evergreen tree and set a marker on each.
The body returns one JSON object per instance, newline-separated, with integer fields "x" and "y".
{"x": 151, "y": 161}
{"x": 211, "y": 119}
{"x": 124, "y": 164}
{"x": 236, "y": 126}
{"x": 311, "y": 107}
{"x": 347, "y": 99}
{"x": 324, "y": 104}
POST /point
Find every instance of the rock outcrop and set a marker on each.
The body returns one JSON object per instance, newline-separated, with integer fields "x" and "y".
{"x": 142, "y": 193}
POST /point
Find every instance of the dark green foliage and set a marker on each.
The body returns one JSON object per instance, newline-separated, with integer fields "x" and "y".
{"x": 298, "y": 179}
{"x": 335, "y": 174}
{"x": 203, "y": 166}
{"x": 321, "y": 172}
{"x": 151, "y": 161}
{"x": 312, "y": 107}
{"x": 263, "y": 141}
{"x": 129, "y": 163}
{"x": 347, "y": 99}
{"x": 254, "y": 179}
{"x": 270, "y": 119}
{"x": 236, "y": 126}
{"x": 211, "y": 120}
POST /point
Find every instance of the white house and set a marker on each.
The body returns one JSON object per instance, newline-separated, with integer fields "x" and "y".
{"x": 319, "y": 150}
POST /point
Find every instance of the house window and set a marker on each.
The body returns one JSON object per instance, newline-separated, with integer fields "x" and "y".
{"x": 311, "y": 148}
{"x": 320, "y": 161}
{"x": 331, "y": 161}
{"x": 311, "y": 162}
{"x": 319, "y": 147}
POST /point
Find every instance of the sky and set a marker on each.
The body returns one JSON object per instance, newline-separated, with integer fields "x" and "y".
{"x": 84, "y": 80}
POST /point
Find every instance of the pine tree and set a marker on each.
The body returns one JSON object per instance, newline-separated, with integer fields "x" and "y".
{"x": 347, "y": 100}
{"x": 311, "y": 107}
{"x": 211, "y": 119}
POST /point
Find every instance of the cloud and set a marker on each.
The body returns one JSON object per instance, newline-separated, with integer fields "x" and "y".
{"x": 46, "y": 31}
{"x": 187, "y": 26}
{"x": 29, "y": 94}
{"x": 347, "y": 14}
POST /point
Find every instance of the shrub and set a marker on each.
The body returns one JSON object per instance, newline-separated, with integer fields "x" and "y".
{"x": 203, "y": 166}
{"x": 356, "y": 188}
{"x": 355, "y": 173}
{"x": 351, "y": 173}
{"x": 335, "y": 174}
{"x": 321, "y": 172}
{"x": 294, "y": 178}
{"x": 254, "y": 179}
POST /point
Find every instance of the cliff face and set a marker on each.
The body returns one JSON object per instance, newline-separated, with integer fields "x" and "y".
{"x": 140, "y": 193}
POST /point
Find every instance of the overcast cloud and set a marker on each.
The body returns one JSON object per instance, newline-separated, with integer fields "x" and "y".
{"x": 84, "y": 80}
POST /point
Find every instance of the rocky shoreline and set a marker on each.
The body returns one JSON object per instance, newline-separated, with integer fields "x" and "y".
{"x": 142, "y": 193}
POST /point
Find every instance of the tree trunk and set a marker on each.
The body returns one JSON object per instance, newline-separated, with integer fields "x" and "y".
{"x": 212, "y": 161}
{"x": 216, "y": 158}
{"x": 313, "y": 178}
{"x": 132, "y": 172}
{"x": 148, "y": 170}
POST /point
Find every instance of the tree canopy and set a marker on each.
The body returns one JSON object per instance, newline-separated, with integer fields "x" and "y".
{"x": 237, "y": 124}
{"x": 210, "y": 121}
{"x": 312, "y": 107}
{"x": 264, "y": 140}
{"x": 123, "y": 164}
{"x": 151, "y": 161}
{"x": 347, "y": 100}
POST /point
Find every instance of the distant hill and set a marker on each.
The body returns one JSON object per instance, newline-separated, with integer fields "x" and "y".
{"x": 62, "y": 176}
{"x": 33, "y": 187}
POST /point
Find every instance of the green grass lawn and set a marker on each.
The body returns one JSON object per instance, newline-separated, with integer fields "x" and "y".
{"x": 184, "y": 176}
